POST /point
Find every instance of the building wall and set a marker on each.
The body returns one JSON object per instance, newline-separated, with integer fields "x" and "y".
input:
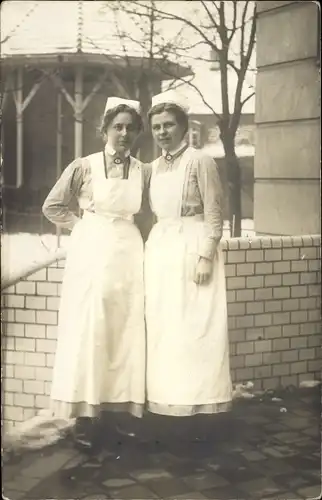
{"x": 287, "y": 157}
{"x": 273, "y": 295}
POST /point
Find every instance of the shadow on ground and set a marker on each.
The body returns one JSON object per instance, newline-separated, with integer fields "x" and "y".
{"x": 266, "y": 448}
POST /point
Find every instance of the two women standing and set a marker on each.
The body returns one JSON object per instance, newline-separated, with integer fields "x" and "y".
{"x": 105, "y": 359}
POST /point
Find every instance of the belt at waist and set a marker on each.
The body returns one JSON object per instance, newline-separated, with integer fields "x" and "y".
{"x": 107, "y": 216}
{"x": 182, "y": 219}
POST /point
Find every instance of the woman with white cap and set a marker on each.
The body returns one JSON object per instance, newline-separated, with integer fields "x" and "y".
{"x": 186, "y": 314}
{"x": 100, "y": 358}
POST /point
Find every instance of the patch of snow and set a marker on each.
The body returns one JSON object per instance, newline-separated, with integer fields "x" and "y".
{"x": 310, "y": 383}
{"x": 22, "y": 249}
{"x": 39, "y": 431}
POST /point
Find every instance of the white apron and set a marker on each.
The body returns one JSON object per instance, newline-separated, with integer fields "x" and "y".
{"x": 100, "y": 358}
{"x": 187, "y": 337}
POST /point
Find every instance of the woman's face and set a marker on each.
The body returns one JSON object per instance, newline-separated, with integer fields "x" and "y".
{"x": 121, "y": 132}
{"x": 166, "y": 130}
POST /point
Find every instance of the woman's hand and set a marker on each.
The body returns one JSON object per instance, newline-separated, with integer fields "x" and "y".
{"x": 203, "y": 271}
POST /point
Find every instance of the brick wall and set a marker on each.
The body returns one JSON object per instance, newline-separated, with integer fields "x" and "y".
{"x": 273, "y": 294}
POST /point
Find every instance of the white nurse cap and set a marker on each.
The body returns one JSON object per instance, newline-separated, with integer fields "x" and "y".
{"x": 171, "y": 97}
{"x": 113, "y": 102}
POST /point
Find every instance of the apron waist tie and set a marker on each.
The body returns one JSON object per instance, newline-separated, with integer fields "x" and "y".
{"x": 182, "y": 219}
{"x": 110, "y": 217}
{"x": 179, "y": 222}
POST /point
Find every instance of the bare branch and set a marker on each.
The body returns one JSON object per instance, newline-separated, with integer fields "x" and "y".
{"x": 193, "y": 46}
{"x": 108, "y": 57}
{"x": 232, "y": 65}
{"x": 214, "y": 3}
{"x": 222, "y": 25}
{"x": 242, "y": 36}
{"x": 211, "y": 17}
{"x": 223, "y": 60}
{"x": 192, "y": 85}
{"x": 234, "y": 28}
{"x": 244, "y": 64}
{"x": 121, "y": 41}
{"x": 176, "y": 17}
{"x": 251, "y": 42}
{"x": 247, "y": 99}
{"x": 151, "y": 34}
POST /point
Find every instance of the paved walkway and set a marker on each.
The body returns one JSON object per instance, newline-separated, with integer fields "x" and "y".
{"x": 268, "y": 449}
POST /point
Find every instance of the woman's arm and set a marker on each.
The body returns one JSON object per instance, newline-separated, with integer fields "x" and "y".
{"x": 56, "y": 206}
{"x": 211, "y": 191}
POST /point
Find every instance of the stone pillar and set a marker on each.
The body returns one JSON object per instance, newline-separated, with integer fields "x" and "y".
{"x": 287, "y": 156}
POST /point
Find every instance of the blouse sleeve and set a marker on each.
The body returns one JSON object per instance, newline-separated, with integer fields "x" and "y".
{"x": 56, "y": 206}
{"x": 211, "y": 191}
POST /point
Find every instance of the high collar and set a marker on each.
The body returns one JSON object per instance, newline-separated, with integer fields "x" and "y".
{"x": 172, "y": 152}
{"x": 111, "y": 151}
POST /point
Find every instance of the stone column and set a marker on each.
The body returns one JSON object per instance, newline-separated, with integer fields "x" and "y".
{"x": 287, "y": 156}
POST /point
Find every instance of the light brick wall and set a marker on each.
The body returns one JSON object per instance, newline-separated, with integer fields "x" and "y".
{"x": 274, "y": 305}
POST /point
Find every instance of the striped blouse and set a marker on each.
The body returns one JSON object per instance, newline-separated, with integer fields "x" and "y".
{"x": 202, "y": 194}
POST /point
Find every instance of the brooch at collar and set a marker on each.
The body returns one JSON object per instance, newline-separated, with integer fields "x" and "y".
{"x": 118, "y": 161}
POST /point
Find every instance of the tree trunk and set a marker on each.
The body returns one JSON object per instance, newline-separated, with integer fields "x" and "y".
{"x": 145, "y": 143}
{"x": 234, "y": 190}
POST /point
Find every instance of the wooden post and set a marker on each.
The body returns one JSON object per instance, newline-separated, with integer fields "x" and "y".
{"x": 59, "y": 151}
{"x": 78, "y": 111}
{"x": 7, "y": 89}
{"x": 19, "y": 114}
{"x": 233, "y": 227}
{"x": 21, "y": 105}
{"x": 78, "y": 104}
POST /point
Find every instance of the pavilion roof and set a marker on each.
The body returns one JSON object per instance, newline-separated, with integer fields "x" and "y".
{"x": 45, "y": 30}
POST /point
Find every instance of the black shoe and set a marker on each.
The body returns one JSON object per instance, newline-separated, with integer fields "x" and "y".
{"x": 86, "y": 435}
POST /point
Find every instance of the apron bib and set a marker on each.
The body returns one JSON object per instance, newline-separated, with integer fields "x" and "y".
{"x": 188, "y": 352}
{"x": 101, "y": 332}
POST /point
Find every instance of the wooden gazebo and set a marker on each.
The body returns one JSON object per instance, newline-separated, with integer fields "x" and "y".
{"x": 56, "y": 77}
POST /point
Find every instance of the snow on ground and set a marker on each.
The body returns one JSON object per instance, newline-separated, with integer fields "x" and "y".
{"x": 22, "y": 249}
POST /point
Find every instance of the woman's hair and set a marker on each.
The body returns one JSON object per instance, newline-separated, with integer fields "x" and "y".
{"x": 121, "y": 108}
{"x": 180, "y": 115}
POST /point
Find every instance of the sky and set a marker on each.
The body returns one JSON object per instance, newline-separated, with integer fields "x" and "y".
{"x": 17, "y": 15}
{"x": 208, "y": 81}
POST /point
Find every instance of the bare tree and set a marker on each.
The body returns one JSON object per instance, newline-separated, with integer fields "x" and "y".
{"x": 138, "y": 32}
{"x": 227, "y": 29}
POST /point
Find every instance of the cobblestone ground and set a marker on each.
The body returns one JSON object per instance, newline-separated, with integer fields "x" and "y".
{"x": 267, "y": 448}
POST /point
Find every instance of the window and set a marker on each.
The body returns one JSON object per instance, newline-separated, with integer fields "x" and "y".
{"x": 195, "y": 134}
{"x": 214, "y": 58}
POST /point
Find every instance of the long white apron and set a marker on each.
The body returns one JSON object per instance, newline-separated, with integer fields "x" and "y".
{"x": 187, "y": 337}
{"x": 100, "y": 358}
